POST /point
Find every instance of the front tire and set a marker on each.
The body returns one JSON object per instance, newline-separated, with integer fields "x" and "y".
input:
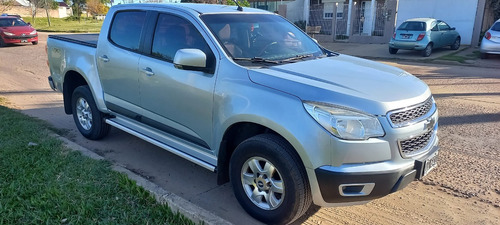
{"x": 484, "y": 55}
{"x": 2, "y": 43}
{"x": 88, "y": 119}
{"x": 456, "y": 44}
{"x": 34, "y": 43}
{"x": 269, "y": 180}
{"x": 427, "y": 51}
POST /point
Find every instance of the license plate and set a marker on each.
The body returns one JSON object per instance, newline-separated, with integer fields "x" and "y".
{"x": 430, "y": 163}
{"x": 406, "y": 36}
{"x": 24, "y": 41}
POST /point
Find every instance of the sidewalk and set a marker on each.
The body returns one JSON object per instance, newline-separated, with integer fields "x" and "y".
{"x": 465, "y": 56}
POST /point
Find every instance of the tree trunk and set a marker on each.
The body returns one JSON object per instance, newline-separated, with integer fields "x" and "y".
{"x": 47, "y": 12}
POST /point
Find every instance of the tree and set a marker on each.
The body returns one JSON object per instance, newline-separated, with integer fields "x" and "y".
{"x": 243, "y": 3}
{"x": 78, "y": 6}
{"x": 44, "y": 4}
{"x": 495, "y": 5}
{"x": 96, "y": 7}
{"x": 6, "y": 5}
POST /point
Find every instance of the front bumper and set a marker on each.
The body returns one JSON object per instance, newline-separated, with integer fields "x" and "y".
{"x": 20, "y": 39}
{"x": 337, "y": 186}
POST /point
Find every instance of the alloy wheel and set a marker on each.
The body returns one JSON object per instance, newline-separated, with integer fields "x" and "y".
{"x": 262, "y": 183}
{"x": 84, "y": 113}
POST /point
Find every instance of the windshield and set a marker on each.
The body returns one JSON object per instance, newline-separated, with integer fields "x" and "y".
{"x": 11, "y": 22}
{"x": 261, "y": 37}
{"x": 413, "y": 26}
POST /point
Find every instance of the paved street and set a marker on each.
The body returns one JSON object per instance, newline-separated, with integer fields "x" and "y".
{"x": 464, "y": 189}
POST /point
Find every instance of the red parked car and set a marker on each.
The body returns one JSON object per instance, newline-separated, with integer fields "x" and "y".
{"x": 15, "y": 30}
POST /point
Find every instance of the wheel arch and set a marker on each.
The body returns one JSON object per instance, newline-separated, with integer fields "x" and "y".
{"x": 72, "y": 80}
{"x": 233, "y": 136}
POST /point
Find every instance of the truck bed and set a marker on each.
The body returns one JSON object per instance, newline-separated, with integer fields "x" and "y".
{"x": 82, "y": 39}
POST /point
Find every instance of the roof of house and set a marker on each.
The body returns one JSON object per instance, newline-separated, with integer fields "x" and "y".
{"x": 63, "y": 4}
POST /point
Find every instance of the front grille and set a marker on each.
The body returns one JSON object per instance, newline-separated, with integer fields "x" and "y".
{"x": 401, "y": 117}
{"x": 416, "y": 145}
{"x": 21, "y": 37}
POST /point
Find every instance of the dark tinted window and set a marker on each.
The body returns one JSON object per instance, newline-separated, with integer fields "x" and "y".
{"x": 173, "y": 33}
{"x": 443, "y": 26}
{"x": 496, "y": 27}
{"x": 414, "y": 26}
{"x": 126, "y": 29}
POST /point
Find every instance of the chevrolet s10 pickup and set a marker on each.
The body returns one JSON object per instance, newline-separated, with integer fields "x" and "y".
{"x": 248, "y": 95}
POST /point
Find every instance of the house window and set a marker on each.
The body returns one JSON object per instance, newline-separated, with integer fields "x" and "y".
{"x": 328, "y": 10}
{"x": 340, "y": 10}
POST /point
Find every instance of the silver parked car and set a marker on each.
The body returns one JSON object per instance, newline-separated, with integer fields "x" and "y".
{"x": 424, "y": 34}
{"x": 491, "y": 41}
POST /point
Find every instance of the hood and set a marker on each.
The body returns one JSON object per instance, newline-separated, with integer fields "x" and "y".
{"x": 346, "y": 81}
{"x": 18, "y": 30}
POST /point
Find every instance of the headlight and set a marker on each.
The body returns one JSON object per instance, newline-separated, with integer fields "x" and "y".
{"x": 8, "y": 34}
{"x": 33, "y": 32}
{"x": 345, "y": 123}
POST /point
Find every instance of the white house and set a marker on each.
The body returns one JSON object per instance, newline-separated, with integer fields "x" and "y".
{"x": 374, "y": 21}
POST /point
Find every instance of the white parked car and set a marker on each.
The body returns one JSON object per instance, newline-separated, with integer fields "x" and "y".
{"x": 491, "y": 41}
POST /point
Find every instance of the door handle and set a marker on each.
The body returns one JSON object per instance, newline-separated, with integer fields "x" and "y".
{"x": 104, "y": 58}
{"x": 148, "y": 71}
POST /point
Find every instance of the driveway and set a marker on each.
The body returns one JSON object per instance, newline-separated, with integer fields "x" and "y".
{"x": 464, "y": 189}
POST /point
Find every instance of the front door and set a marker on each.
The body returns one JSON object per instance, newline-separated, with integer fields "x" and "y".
{"x": 174, "y": 100}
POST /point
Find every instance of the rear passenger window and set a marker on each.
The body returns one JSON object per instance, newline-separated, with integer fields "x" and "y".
{"x": 126, "y": 29}
{"x": 173, "y": 33}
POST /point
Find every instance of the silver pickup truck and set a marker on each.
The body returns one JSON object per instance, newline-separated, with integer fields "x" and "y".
{"x": 246, "y": 94}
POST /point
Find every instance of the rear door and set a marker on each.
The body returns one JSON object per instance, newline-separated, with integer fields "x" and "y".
{"x": 117, "y": 61}
{"x": 174, "y": 100}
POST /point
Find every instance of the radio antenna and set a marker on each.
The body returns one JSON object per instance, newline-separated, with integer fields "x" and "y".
{"x": 239, "y": 7}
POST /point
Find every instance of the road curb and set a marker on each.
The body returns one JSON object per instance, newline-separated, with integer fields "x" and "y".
{"x": 176, "y": 203}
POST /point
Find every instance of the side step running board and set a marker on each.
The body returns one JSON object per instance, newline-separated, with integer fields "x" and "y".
{"x": 163, "y": 146}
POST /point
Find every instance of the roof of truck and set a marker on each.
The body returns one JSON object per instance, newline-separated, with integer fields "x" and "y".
{"x": 200, "y": 8}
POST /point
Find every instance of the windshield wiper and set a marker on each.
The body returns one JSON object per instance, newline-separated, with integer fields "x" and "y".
{"x": 297, "y": 57}
{"x": 258, "y": 60}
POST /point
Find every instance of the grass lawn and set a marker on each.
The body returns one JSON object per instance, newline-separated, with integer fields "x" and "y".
{"x": 42, "y": 182}
{"x": 65, "y": 26}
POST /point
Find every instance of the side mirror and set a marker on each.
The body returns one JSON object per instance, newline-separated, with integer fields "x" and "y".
{"x": 29, "y": 23}
{"x": 190, "y": 59}
{"x": 453, "y": 28}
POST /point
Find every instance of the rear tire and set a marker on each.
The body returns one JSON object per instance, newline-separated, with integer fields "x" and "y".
{"x": 456, "y": 44}
{"x": 393, "y": 51}
{"x": 484, "y": 55}
{"x": 88, "y": 119}
{"x": 269, "y": 180}
{"x": 427, "y": 51}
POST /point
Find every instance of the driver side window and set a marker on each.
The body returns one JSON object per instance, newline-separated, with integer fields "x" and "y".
{"x": 173, "y": 33}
